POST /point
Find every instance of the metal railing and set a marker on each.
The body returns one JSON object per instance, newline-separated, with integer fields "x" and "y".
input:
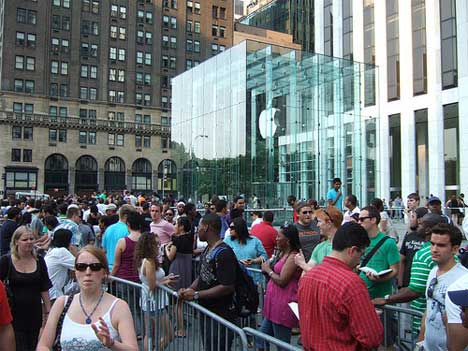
{"x": 401, "y": 318}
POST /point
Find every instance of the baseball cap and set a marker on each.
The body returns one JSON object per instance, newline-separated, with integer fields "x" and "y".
{"x": 459, "y": 297}
{"x": 421, "y": 212}
{"x": 433, "y": 219}
{"x": 433, "y": 199}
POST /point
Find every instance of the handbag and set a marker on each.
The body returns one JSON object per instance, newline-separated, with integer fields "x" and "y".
{"x": 57, "y": 346}
{"x": 8, "y": 289}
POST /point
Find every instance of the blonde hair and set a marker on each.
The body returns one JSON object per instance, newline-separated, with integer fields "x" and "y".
{"x": 98, "y": 253}
{"x": 16, "y": 237}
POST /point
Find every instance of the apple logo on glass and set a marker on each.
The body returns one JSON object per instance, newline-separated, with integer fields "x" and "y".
{"x": 267, "y": 122}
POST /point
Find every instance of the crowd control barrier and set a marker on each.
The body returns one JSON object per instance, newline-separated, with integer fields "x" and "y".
{"x": 402, "y": 317}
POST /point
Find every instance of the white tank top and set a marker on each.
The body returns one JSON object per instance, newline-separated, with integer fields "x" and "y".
{"x": 78, "y": 337}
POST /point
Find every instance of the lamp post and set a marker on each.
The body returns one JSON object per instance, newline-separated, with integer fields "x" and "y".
{"x": 191, "y": 160}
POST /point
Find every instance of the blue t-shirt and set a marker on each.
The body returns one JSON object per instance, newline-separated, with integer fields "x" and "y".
{"x": 111, "y": 237}
{"x": 331, "y": 195}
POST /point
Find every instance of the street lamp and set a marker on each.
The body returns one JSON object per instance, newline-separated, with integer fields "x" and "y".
{"x": 192, "y": 144}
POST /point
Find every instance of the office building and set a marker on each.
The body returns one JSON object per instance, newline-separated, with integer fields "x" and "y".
{"x": 85, "y": 103}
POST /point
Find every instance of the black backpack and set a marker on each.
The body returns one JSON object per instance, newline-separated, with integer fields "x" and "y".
{"x": 246, "y": 299}
{"x": 463, "y": 256}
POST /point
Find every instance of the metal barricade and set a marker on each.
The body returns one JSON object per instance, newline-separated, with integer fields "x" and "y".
{"x": 131, "y": 292}
{"x": 186, "y": 325}
{"x": 280, "y": 345}
{"x": 397, "y": 314}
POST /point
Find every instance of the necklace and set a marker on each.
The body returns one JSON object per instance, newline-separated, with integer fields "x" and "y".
{"x": 88, "y": 316}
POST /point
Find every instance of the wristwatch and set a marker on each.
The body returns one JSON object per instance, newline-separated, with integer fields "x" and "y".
{"x": 196, "y": 296}
{"x": 386, "y": 298}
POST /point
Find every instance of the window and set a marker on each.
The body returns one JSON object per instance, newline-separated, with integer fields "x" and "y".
{"x": 140, "y": 16}
{"x": 111, "y": 139}
{"x": 214, "y": 12}
{"x": 92, "y": 93}
{"x": 197, "y": 8}
{"x": 54, "y": 67}
{"x": 147, "y": 141}
{"x": 83, "y": 93}
{"x": 52, "y": 135}
{"x": 140, "y": 37}
{"x": 147, "y": 119}
{"x": 121, "y": 54}
{"x": 94, "y": 50}
{"x": 164, "y": 120}
{"x": 174, "y": 4}
{"x": 328, "y": 27}
{"x": 149, "y": 17}
{"x": 393, "y": 51}
{"x": 27, "y": 155}
{"x": 188, "y": 64}
{"x": 83, "y": 137}
{"x": 149, "y": 38}
{"x": 418, "y": 14}
{"x": 147, "y": 58}
{"x": 147, "y": 98}
{"x": 66, "y": 23}
{"x": 19, "y": 85}
{"x": 84, "y": 49}
{"x": 165, "y": 41}
{"x": 84, "y": 71}
{"x": 19, "y": 62}
{"x": 62, "y": 135}
{"x": 165, "y": 61}
{"x": 21, "y": 179}
{"x": 189, "y": 26}
{"x": 114, "y": 10}
{"x": 189, "y": 6}
{"x": 214, "y": 49}
{"x": 138, "y": 140}
{"x": 55, "y": 45}
{"x": 122, "y": 33}
{"x": 189, "y": 45}
{"x": 120, "y": 140}
{"x": 20, "y": 38}
{"x": 173, "y": 63}
{"x": 112, "y": 95}
{"x": 222, "y": 48}
{"x": 196, "y": 46}
{"x": 27, "y": 132}
{"x": 95, "y": 7}
{"x": 173, "y": 43}
{"x": 64, "y": 92}
{"x": 29, "y": 86}
{"x": 139, "y": 78}
{"x": 113, "y": 32}
{"x": 21, "y": 15}
{"x": 222, "y": 31}
{"x": 56, "y": 22}
{"x": 164, "y": 102}
{"x": 64, "y": 69}
{"x": 139, "y": 58}
{"x": 197, "y": 27}
{"x": 93, "y": 71}
{"x": 16, "y": 155}
{"x": 16, "y": 132}
{"x": 31, "y": 42}
{"x": 166, "y": 21}
{"x": 139, "y": 99}
{"x": 113, "y": 53}
{"x": 65, "y": 46}
{"x": 53, "y": 91}
{"x": 448, "y": 36}
{"x": 164, "y": 143}
{"x": 214, "y": 30}
{"x": 173, "y": 22}
{"x": 222, "y": 13}
{"x": 121, "y": 76}
{"x": 123, "y": 12}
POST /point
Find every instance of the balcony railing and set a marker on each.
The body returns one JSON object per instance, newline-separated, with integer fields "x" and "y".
{"x": 68, "y": 122}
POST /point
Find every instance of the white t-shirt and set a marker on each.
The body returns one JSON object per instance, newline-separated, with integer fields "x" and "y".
{"x": 58, "y": 260}
{"x": 257, "y": 221}
{"x": 435, "y": 337}
{"x": 349, "y": 213}
{"x": 453, "y": 311}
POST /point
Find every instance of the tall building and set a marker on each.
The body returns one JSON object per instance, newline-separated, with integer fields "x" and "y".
{"x": 421, "y": 49}
{"x": 85, "y": 100}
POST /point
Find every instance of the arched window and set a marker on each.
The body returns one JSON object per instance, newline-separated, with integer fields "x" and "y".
{"x": 141, "y": 175}
{"x": 167, "y": 176}
{"x": 114, "y": 174}
{"x": 86, "y": 174}
{"x": 56, "y": 174}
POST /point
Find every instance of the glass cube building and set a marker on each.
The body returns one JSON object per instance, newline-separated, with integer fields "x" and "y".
{"x": 273, "y": 121}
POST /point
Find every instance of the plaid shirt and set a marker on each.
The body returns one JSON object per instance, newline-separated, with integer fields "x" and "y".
{"x": 335, "y": 310}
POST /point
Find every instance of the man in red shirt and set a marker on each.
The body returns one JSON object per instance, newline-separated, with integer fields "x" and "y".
{"x": 265, "y": 232}
{"x": 7, "y": 335}
{"x": 335, "y": 309}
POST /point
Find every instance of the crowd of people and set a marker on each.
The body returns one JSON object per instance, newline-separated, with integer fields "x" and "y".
{"x": 340, "y": 267}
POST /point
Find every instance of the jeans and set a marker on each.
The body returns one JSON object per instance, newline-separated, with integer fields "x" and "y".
{"x": 276, "y": 330}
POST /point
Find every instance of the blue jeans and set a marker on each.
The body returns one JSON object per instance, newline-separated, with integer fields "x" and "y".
{"x": 278, "y": 331}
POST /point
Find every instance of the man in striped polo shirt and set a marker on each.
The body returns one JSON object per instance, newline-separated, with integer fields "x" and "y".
{"x": 422, "y": 265}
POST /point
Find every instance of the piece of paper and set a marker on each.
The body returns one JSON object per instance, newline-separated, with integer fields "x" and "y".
{"x": 295, "y": 308}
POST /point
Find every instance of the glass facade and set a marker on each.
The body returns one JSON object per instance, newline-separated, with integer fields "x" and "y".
{"x": 369, "y": 52}
{"x": 393, "y": 51}
{"x": 328, "y": 27}
{"x": 270, "y": 120}
{"x": 395, "y": 154}
{"x": 418, "y": 15}
{"x": 448, "y": 35}
{"x": 451, "y": 149}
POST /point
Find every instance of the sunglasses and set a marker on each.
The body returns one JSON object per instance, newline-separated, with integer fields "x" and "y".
{"x": 307, "y": 212}
{"x": 170, "y": 214}
{"x": 431, "y": 287}
{"x": 95, "y": 267}
{"x": 232, "y": 227}
{"x": 362, "y": 219}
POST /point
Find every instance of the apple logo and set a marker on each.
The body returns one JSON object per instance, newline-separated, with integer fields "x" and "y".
{"x": 267, "y": 122}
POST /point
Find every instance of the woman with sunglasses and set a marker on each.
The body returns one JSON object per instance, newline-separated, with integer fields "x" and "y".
{"x": 278, "y": 319}
{"x": 95, "y": 320}
{"x": 169, "y": 216}
{"x": 25, "y": 274}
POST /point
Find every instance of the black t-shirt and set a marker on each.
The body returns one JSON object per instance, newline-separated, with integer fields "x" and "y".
{"x": 309, "y": 237}
{"x": 6, "y": 232}
{"x": 411, "y": 244}
{"x": 218, "y": 269}
{"x": 183, "y": 243}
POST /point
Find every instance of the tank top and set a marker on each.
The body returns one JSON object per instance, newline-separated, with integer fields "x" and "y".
{"x": 78, "y": 337}
{"x": 152, "y": 300}
{"x": 127, "y": 269}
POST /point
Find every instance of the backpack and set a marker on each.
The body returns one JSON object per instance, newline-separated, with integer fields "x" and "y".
{"x": 246, "y": 299}
{"x": 463, "y": 256}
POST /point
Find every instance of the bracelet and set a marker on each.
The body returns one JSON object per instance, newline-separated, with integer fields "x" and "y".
{"x": 271, "y": 273}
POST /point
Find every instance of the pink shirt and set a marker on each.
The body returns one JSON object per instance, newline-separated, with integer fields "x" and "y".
{"x": 164, "y": 230}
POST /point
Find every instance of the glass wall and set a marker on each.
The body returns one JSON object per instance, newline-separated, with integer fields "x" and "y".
{"x": 328, "y": 27}
{"x": 369, "y": 52}
{"x": 418, "y": 15}
{"x": 393, "y": 51}
{"x": 270, "y": 120}
{"x": 451, "y": 149}
{"x": 395, "y": 154}
{"x": 422, "y": 156}
{"x": 448, "y": 36}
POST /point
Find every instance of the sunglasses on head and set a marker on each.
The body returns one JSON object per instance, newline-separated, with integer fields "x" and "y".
{"x": 95, "y": 267}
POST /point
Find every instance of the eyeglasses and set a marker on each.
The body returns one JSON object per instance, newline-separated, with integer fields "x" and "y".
{"x": 362, "y": 219}
{"x": 307, "y": 212}
{"x": 231, "y": 227}
{"x": 431, "y": 287}
{"x": 95, "y": 267}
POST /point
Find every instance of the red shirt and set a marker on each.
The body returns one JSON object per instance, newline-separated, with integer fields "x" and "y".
{"x": 335, "y": 310}
{"x": 5, "y": 314}
{"x": 265, "y": 232}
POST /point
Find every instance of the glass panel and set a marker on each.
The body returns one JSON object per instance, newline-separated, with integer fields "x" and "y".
{"x": 451, "y": 145}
